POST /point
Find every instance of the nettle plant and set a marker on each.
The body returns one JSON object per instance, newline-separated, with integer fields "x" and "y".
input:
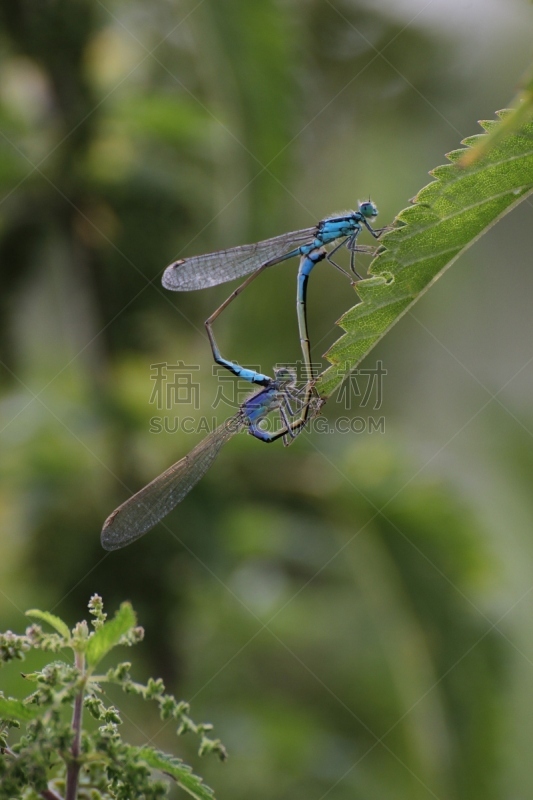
{"x": 58, "y": 757}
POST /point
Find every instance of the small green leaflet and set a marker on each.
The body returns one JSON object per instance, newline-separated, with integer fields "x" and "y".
{"x": 182, "y": 774}
{"x": 52, "y": 620}
{"x": 109, "y": 635}
{"x": 15, "y": 709}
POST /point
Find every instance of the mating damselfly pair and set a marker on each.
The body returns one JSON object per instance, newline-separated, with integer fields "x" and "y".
{"x": 146, "y": 508}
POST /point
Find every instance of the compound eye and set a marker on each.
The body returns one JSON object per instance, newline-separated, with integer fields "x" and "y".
{"x": 285, "y": 374}
{"x": 368, "y": 209}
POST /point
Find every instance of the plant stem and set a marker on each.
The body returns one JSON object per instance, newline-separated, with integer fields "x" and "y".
{"x": 73, "y": 769}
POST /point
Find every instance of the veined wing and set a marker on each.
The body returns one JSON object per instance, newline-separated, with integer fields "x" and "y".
{"x": 146, "y": 508}
{"x": 200, "y": 272}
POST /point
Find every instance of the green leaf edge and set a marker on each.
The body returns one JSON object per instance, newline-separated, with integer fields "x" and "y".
{"x": 109, "y": 635}
{"x": 55, "y": 622}
{"x": 381, "y": 303}
{"x": 10, "y": 708}
{"x": 182, "y": 774}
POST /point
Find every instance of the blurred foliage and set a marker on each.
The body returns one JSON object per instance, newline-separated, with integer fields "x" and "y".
{"x": 336, "y": 612}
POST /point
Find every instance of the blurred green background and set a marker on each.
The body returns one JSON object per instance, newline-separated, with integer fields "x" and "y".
{"x": 353, "y": 613}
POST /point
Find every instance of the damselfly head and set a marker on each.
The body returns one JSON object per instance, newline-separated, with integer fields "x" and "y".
{"x": 368, "y": 209}
{"x": 285, "y": 375}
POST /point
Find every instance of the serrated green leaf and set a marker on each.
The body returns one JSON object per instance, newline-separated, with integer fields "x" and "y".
{"x": 109, "y": 635}
{"x": 515, "y": 117}
{"x": 15, "y": 709}
{"x": 55, "y": 622}
{"x": 182, "y": 774}
{"x": 447, "y": 216}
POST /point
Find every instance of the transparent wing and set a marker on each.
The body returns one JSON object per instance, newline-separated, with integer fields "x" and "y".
{"x": 200, "y": 272}
{"x": 146, "y": 508}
